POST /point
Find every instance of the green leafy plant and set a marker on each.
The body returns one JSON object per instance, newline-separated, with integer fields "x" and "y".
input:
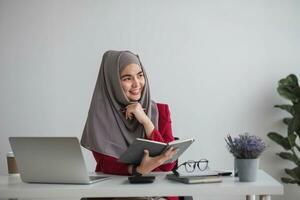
{"x": 289, "y": 88}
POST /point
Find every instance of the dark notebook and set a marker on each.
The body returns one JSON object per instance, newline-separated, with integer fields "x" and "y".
{"x": 135, "y": 152}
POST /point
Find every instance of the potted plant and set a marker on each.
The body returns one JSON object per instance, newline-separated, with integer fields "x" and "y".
{"x": 246, "y": 149}
{"x": 289, "y": 89}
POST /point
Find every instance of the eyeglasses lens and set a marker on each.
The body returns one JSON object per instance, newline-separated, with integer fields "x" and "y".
{"x": 190, "y": 166}
{"x": 202, "y": 165}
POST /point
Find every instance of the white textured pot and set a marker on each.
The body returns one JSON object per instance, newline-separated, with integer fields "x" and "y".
{"x": 247, "y": 169}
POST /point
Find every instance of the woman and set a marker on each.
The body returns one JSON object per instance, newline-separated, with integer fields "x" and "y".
{"x": 121, "y": 111}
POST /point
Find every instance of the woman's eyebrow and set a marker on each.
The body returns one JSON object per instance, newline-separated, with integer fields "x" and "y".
{"x": 125, "y": 75}
{"x": 129, "y": 75}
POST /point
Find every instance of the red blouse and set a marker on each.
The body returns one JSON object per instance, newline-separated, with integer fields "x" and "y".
{"x": 110, "y": 165}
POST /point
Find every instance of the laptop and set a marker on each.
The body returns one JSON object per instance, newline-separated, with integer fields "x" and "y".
{"x": 51, "y": 160}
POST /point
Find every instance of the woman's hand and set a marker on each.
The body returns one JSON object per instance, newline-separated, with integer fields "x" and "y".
{"x": 136, "y": 110}
{"x": 150, "y": 163}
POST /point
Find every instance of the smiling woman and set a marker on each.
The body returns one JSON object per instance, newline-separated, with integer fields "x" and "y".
{"x": 121, "y": 111}
{"x": 132, "y": 81}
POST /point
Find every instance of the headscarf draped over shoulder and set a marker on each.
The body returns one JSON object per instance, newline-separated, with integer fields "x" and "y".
{"x": 106, "y": 130}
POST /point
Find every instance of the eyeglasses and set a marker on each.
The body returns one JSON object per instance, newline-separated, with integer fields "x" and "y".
{"x": 191, "y": 165}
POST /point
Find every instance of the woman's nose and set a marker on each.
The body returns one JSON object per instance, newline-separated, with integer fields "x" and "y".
{"x": 135, "y": 82}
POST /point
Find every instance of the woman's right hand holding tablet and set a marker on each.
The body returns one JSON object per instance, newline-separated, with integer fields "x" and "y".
{"x": 149, "y": 163}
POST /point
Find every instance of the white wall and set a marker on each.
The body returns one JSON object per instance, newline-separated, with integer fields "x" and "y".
{"x": 216, "y": 63}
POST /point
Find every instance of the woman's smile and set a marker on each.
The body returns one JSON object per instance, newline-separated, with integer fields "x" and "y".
{"x": 135, "y": 91}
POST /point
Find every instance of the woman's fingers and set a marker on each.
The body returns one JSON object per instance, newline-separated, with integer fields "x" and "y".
{"x": 136, "y": 111}
{"x": 146, "y": 153}
{"x": 170, "y": 153}
{"x": 150, "y": 163}
{"x": 128, "y": 115}
{"x": 133, "y": 108}
{"x": 146, "y": 156}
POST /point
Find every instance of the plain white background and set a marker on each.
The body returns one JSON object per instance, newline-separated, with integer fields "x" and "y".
{"x": 216, "y": 63}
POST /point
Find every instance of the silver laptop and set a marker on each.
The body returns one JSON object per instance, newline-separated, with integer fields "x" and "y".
{"x": 51, "y": 160}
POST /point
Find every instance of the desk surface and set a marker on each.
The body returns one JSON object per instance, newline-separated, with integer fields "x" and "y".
{"x": 118, "y": 186}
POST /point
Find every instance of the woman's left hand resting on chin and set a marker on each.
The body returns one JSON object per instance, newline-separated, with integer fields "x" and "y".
{"x": 136, "y": 110}
{"x": 149, "y": 163}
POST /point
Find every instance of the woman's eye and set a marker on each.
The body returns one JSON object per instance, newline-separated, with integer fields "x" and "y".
{"x": 126, "y": 79}
{"x": 141, "y": 75}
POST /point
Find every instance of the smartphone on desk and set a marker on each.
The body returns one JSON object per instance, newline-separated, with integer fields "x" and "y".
{"x": 141, "y": 179}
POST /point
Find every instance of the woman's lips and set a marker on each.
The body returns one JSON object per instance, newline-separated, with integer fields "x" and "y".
{"x": 135, "y": 92}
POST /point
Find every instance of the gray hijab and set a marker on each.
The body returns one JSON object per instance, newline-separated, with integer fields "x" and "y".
{"x": 106, "y": 130}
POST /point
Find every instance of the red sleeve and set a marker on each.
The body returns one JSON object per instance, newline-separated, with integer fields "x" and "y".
{"x": 109, "y": 165}
{"x": 165, "y": 132}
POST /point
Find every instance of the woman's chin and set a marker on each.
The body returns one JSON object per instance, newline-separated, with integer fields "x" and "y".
{"x": 134, "y": 98}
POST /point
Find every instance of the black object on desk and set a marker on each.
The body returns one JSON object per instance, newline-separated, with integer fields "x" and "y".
{"x": 141, "y": 179}
{"x": 224, "y": 173}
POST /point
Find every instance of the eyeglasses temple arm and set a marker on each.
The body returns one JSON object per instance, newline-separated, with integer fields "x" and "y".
{"x": 175, "y": 172}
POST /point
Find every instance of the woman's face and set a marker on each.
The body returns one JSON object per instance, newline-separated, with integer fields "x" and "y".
{"x": 132, "y": 81}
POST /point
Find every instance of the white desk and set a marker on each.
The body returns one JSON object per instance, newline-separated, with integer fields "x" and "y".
{"x": 118, "y": 186}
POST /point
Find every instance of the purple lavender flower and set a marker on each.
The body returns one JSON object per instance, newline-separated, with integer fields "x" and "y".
{"x": 245, "y": 146}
